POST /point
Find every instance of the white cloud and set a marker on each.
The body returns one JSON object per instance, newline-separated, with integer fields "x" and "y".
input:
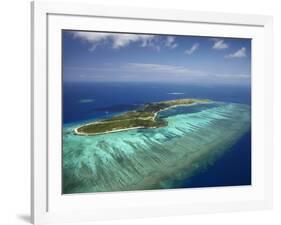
{"x": 170, "y": 42}
{"x": 241, "y": 53}
{"x": 193, "y": 48}
{"x": 154, "y": 72}
{"x": 219, "y": 44}
{"x": 139, "y": 68}
{"x": 233, "y": 76}
{"x": 118, "y": 40}
{"x": 160, "y": 68}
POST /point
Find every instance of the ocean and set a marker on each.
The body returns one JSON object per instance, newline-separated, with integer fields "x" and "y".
{"x": 90, "y": 162}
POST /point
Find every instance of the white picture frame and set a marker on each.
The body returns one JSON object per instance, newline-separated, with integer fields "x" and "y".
{"x": 48, "y": 205}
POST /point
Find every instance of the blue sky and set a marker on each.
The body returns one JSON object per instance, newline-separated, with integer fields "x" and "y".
{"x": 121, "y": 57}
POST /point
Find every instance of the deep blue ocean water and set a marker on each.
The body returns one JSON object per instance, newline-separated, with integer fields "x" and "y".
{"x": 92, "y": 101}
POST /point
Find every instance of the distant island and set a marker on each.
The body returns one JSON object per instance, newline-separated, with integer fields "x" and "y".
{"x": 146, "y": 117}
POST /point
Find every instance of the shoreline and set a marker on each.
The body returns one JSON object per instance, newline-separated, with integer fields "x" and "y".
{"x": 106, "y": 132}
{"x": 76, "y": 132}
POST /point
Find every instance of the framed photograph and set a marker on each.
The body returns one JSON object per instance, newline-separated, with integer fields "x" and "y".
{"x": 147, "y": 112}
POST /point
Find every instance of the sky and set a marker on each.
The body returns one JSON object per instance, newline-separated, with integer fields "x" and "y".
{"x": 123, "y": 57}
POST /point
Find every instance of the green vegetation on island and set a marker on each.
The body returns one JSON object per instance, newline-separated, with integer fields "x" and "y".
{"x": 146, "y": 117}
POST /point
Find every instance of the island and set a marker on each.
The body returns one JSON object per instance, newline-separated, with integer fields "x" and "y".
{"x": 145, "y": 117}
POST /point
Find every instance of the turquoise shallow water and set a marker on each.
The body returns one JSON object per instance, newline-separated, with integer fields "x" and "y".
{"x": 152, "y": 158}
